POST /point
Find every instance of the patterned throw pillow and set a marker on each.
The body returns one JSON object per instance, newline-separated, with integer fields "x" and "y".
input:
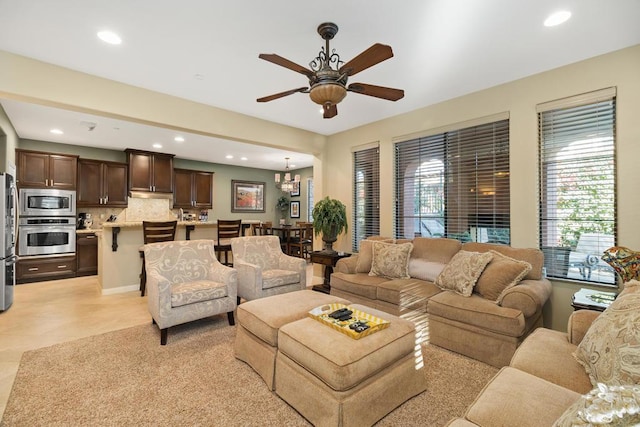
{"x": 391, "y": 260}
{"x": 365, "y": 255}
{"x": 610, "y": 349}
{"x": 499, "y": 275}
{"x": 462, "y": 272}
{"x": 614, "y": 406}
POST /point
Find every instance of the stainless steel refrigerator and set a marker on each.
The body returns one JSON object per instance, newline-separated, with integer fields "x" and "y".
{"x": 8, "y": 233}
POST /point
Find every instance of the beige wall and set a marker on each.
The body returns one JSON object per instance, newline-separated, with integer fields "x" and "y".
{"x": 33, "y": 81}
{"x": 8, "y": 142}
{"x": 519, "y": 99}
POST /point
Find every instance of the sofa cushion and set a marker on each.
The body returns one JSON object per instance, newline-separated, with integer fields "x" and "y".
{"x": 535, "y": 257}
{"x": 359, "y": 283}
{"x": 425, "y": 270}
{"x": 548, "y": 354}
{"x": 610, "y": 350}
{"x": 499, "y": 275}
{"x": 515, "y": 398}
{"x": 391, "y": 260}
{"x": 477, "y": 311}
{"x": 462, "y": 272}
{"x": 439, "y": 249}
{"x": 406, "y": 293}
{"x": 604, "y": 405}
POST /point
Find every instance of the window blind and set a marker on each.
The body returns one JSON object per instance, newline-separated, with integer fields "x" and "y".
{"x": 578, "y": 190}
{"x": 366, "y": 194}
{"x": 455, "y": 184}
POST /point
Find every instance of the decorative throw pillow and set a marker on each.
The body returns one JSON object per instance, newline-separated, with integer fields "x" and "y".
{"x": 499, "y": 275}
{"x": 365, "y": 254}
{"x": 614, "y": 406}
{"x": 391, "y": 260}
{"x": 462, "y": 272}
{"x": 425, "y": 270}
{"x": 610, "y": 349}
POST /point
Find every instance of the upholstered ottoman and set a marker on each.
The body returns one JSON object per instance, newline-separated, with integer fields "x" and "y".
{"x": 335, "y": 380}
{"x": 259, "y": 321}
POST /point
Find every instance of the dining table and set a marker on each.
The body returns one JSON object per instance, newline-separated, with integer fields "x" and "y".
{"x": 285, "y": 232}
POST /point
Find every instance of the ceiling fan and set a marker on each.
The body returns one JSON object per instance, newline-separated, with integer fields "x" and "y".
{"x": 328, "y": 75}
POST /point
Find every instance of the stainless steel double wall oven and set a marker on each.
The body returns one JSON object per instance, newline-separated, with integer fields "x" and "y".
{"x": 47, "y": 222}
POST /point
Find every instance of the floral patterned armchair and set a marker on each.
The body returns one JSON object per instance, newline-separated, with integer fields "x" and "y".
{"x": 186, "y": 282}
{"x": 264, "y": 270}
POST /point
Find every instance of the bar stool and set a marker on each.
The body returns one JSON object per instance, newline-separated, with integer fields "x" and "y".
{"x": 227, "y": 229}
{"x": 152, "y": 232}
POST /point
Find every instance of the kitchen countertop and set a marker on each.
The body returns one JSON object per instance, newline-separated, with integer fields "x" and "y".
{"x": 127, "y": 224}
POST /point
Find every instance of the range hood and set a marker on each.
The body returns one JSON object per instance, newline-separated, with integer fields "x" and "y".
{"x": 150, "y": 195}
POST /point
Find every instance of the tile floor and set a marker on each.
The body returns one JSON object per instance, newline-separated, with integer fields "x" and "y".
{"x": 48, "y": 313}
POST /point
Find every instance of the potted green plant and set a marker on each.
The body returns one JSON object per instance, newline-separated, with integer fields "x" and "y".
{"x": 282, "y": 204}
{"x": 330, "y": 219}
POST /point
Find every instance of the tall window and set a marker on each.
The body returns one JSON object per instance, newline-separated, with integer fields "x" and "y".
{"x": 366, "y": 194}
{"x": 578, "y": 185}
{"x": 455, "y": 184}
{"x": 310, "y": 199}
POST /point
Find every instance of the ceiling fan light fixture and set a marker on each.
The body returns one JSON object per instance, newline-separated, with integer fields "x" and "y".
{"x": 327, "y": 93}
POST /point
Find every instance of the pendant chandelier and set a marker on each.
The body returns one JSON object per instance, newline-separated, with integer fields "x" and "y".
{"x": 288, "y": 185}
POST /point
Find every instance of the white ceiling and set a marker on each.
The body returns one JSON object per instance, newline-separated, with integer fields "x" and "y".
{"x": 443, "y": 49}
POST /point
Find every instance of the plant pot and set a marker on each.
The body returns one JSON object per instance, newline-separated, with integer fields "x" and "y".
{"x": 328, "y": 240}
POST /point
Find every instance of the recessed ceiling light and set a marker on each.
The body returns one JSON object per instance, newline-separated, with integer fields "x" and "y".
{"x": 198, "y": 76}
{"x": 293, "y": 166}
{"x": 56, "y": 131}
{"x": 243, "y": 158}
{"x": 178, "y": 139}
{"x": 228, "y": 156}
{"x": 157, "y": 145}
{"x": 109, "y": 37}
{"x": 557, "y": 18}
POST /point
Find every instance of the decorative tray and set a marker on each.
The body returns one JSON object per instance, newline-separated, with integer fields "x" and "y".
{"x": 349, "y": 327}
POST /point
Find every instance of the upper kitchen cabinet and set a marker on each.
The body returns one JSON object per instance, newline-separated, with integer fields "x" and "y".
{"x": 37, "y": 169}
{"x": 193, "y": 189}
{"x": 102, "y": 184}
{"x": 150, "y": 172}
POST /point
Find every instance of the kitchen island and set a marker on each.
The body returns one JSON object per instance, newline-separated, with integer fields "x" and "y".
{"x": 119, "y": 243}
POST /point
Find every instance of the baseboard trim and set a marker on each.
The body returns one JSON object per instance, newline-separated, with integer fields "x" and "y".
{"x": 120, "y": 289}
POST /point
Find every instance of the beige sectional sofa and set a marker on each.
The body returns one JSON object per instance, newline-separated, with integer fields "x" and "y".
{"x": 552, "y": 378}
{"x": 504, "y": 306}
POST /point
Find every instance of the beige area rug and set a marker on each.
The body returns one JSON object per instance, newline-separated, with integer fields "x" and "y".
{"x": 126, "y": 378}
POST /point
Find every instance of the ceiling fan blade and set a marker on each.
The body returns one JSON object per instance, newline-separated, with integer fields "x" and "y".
{"x": 283, "y": 62}
{"x": 281, "y": 94}
{"x": 330, "y": 111}
{"x": 376, "y": 91}
{"x": 370, "y": 57}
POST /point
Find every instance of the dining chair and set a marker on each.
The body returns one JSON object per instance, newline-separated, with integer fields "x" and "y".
{"x": 263, "y": 229}
{"x": 301, "y": 243}
{"x": 227, "y": 230}
{"x": 153, "y": 232}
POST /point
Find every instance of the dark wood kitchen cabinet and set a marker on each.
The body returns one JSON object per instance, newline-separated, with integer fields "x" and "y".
{"x": 35, "y": 269}
{"x": 102, "y": 184}
{"x": 38, "y": 169}
{"x": 192, "y": 189}
{"x": 150, "y": 172}
{"x": 86, "y": 254}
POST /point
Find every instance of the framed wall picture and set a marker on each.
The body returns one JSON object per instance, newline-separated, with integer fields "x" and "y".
{"x": 296, "y": 189}
{"x": 294, "y": 210}
{"x": 247, "y": 196}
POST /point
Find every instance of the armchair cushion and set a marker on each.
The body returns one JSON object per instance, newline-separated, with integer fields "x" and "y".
{"x": 273, "y": 278}
{"x": 197, "y": 291}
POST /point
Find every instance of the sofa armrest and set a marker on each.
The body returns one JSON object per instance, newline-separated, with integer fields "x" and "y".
{"x": 528, "y": 296}
{"x": 249, "y": 279}
{"x": 578, "y": 324}
{"x": 347, "y": 265}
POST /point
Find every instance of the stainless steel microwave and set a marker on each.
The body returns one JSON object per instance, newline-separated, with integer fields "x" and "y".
{"x": 47, "y": 202}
